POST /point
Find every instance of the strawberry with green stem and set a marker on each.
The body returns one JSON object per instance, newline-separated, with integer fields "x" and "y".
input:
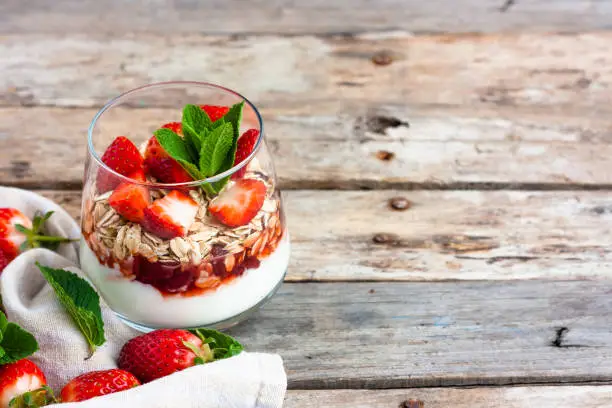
{"x": 18, "y": 233}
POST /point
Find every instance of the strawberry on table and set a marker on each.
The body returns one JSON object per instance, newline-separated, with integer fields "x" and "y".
{"x": 18, "y": 378}
{"x": 18, "y": 233}
{"x": 170, "y": 216}
{"x": 160, "y": 165}
{"x": 215, "y": 112}
{"x": 246, "y": 143}
{"x": 163, "y": 352}
{"x": 123, "y": 157}
{"x": 97, "y": 383}
{"x": 238, "y": 204}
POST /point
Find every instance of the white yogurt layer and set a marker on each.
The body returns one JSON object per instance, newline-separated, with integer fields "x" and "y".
{"x": 144, "y": 304}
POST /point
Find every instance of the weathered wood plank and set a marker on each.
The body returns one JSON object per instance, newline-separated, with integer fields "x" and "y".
{"x": 432, "y": 148}
{"x": 339, "y": 235}
{"x": 396, "y": 335}
{"x": 285, "y": 16}
{"x": 504, "y": 397}
{"x": 540, "y": 71}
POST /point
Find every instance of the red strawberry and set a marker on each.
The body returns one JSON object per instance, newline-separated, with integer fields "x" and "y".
{"x": 12, "y": 241}
{"x": 238, "y": 204}
{"x": 10, "y": 238}
{"x": 246, "y": 143}
{"x": 176, "y": 127}
{"x": 4, "y": 260}
{"x": 214, "y": 112}
{"x": 170, "y": 216}
{"x": 130, "y": 200}
{"x": 161, "y": 166}
{"x": 96, "y": 383}
{"x": 18, "y": 378}
{"x": 163, "y": 352}
{"x": 123, "y": 157}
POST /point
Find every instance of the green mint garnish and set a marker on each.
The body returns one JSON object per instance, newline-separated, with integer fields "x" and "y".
{"x": 15, "y": 342}
{"x": 207, "y": 148}
{"x": 222, "y": 345}
{"x": 80, "y": 301}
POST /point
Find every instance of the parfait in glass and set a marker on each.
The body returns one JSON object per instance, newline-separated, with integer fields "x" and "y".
{"x": 182, "y": 221}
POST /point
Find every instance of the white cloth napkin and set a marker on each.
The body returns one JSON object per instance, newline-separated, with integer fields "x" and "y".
{"x": 248, "y": 380}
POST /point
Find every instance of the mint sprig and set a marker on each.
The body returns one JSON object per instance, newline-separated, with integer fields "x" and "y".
{"x": 207, "y": 148}
{"x": 80, "y": 301}
{"x": 15, "y": 342}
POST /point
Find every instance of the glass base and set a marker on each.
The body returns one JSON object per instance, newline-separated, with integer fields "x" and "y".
{"x": 220, "y": 325}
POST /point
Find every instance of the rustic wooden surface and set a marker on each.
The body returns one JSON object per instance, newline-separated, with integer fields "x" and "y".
{"x": 501, "y": 397}
{"x": 492, "y": 118}
{"x": 464, "y": 235}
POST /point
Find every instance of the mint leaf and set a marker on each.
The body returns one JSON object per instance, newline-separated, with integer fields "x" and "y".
{"x": 215, "y": 149}
{"x": 174, "y": 145}
{"x": 80, "y": 301}
{"x": 16, "y": 344}
{"x": 222, "y": 345}
{"x": 233, "y": 116}
{"x": 3, "y": 322}
{"x": 192, "y": 169}
{"x": 195, "y": 121}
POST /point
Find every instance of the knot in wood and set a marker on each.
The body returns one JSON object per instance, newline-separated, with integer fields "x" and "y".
{"x": 382, "y": 58}
{"x": 385, "y": 155}
{"x": 384, "y": 238}
{"x": 412, "y": 404}
{"x": 400, "y": 203}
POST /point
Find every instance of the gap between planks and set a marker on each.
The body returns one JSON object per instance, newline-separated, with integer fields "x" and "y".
{"x": 442, "y": 235}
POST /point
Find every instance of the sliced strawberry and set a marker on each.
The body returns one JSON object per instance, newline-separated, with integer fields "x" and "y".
{"x": 238, "y": 204}
{"x": 161, "y": 166}
{"x": 170, "y": 216}
{"x": 129, "y": 200}
{"x": 123, "y": 157}
{"x": 18, "y": 378}
{"x": 246, "y": 143}
{"x": 214, "y": 112}
{"x": 96, "y": 383}
{"x": 176, "y": 127}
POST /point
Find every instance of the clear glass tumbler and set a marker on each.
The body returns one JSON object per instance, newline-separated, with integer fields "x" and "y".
{"x": 157, "y": 252}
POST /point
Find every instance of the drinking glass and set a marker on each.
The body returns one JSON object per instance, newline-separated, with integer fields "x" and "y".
{"x": 213, "y": 275}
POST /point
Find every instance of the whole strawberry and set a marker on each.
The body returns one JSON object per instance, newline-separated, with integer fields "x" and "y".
{"x": 163, "y": 352}
{"x": 19, "y": 378}
{"x": 18, "y": 233}
{"x": 96, "y": 383}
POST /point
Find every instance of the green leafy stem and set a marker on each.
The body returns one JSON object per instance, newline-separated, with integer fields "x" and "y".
{"x": 207, "y": 148}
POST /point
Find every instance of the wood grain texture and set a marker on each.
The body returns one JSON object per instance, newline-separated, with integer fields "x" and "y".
{"x": 435, "y": 148}
{"x": 443, "y": 235}
{"x": 504, "y": 397}
{"x": 287, "y": 16}
{"x": 396, "y": 335}
{"x": 539, "y": 71}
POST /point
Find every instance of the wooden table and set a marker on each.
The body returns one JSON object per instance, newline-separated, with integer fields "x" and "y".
{"x": 446, "y": 168}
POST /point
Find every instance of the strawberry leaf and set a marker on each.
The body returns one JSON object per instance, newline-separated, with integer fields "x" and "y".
{"x": 80, "y": 301}
{"x": 16, "y": 343}
{"x": 221, "y": 344}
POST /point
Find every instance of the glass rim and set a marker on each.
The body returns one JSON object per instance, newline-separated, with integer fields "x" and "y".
{"x": 112, "y": 102}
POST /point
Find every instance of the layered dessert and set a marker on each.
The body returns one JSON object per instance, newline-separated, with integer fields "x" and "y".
{"x": 188, "y": 230}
